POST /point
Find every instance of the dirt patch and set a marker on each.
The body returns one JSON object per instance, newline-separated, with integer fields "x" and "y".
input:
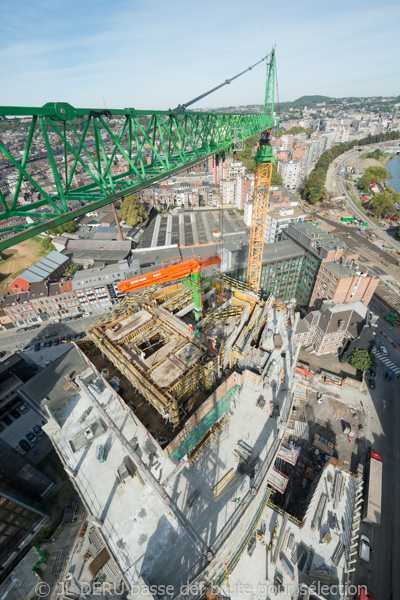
{"x": 16, "y": 259}
{"x": 364, "y": 163}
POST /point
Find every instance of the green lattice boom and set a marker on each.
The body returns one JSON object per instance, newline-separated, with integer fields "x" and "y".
{"x": 117, "y": 151}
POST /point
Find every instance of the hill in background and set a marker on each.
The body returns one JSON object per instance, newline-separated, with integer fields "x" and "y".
{"x": 312, "y": 99}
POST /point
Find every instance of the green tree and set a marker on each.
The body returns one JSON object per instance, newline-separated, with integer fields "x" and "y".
{"x": 372, "y": 175}
{"x": 47, "y": 244}
{"x": 383, "y": 204}
{"x": 361, "y": 360}
{"x": 276, "y": 178}
{"x": 132, "y": 210}
{"x": 314, "y": 189}
{"x": 68, "y": 227}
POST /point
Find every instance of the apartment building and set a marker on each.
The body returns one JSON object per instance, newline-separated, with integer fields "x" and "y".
{"x": 329, "y": 329}
{"x": 291, "y": 172}
{"x": 42, "y": 302}
{"x": 97, "y": 288}
{"x": 340, "y": 277}
{"x": 343, "y": 281}
{"x": 279, "y": 218}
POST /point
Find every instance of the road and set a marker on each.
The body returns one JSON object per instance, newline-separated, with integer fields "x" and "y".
{"x": 335, "y": 184}
{"x": 381, "y": 573}
{"x": 11, "y": 340}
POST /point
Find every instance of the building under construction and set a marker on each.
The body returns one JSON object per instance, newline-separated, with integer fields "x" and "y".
{"x": 166, "y": 365}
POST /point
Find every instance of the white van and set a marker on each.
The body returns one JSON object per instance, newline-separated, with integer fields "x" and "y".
{"x": 364, "y": 549}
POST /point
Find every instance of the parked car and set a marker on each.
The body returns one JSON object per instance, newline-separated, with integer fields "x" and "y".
{"x": 7, "y": 420}
{"x": 33, "y": 327}
{"x": 86, "y": 314}
{"x": 23, "y": 408}
{"x": 371, "y": 384}
{"x": 38, "y": 430}
{"x": 15, "y": 413}
{"x": 21, "y": 330}
{"x": 56, "y": 342}
{"x": 42, "y": 344}
{"x": 36, "y": 347}
{"x": 49, "y": 344}
{"x": 68, "y": 338}
{"x": 56, "y": 321}
{"x": 364, "y": 548}
{"x": 388, "y": 375}
{"x": 66, "y": 320}
{"x": 31, "y": 437}
{"x": 372, "y": 372}
{"x": 26, "y": 348}
{"x": 37, "y": 338}
{"x": 24, "y": 445}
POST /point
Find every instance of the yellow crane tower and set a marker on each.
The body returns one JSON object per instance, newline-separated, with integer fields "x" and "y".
{"x": 262, "y": 183}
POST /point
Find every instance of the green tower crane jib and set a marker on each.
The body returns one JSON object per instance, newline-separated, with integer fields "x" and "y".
{"x": 94, "y": 156}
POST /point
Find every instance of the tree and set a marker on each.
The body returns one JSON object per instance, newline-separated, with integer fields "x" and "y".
{"x": 314, "y": 189}
{"x": 46, "y": 244}
{"x": 132, "y": 210}
{"x": 383, "y": 204}
{"x": 372, "y": 175}
{"x": 361, "y": 360}
{"x": 68, "y": 227}
{"x": 276, "y": 178}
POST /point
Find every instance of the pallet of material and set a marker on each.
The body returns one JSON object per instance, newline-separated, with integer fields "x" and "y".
{"x": 322, "y": 447}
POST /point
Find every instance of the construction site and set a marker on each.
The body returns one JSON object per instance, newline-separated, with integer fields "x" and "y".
{"x": 186, "y": 440}
{"x": 182, "y": 421}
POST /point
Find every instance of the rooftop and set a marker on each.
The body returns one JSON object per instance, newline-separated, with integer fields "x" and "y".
{"x": 283, "y": 213}
{"x": 44, "y": 267}
{"x": 141, "y": 530}
{"x": 344, "y": 269}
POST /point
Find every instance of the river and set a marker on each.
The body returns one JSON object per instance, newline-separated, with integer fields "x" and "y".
{"x": 393, "y": 166}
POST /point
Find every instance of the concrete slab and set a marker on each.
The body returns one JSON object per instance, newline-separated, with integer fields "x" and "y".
{"x": 160, "y": 354}
{"x": 171, "y": 369}
{"x": 129, "y": 324}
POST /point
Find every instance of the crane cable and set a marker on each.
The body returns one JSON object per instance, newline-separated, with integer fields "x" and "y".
{"x": 183, "y": 107}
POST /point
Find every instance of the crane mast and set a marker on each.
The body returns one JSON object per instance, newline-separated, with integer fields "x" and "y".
{"x": 262, "y": 183}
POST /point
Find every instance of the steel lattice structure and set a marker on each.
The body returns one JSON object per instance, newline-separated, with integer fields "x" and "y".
{"x": 94, "y": 156}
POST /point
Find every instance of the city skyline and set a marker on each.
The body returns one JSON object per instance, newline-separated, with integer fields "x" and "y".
{"x": 157, "y": 56}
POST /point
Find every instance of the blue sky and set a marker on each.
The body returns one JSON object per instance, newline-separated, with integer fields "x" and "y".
{"x": 153, "y": 54}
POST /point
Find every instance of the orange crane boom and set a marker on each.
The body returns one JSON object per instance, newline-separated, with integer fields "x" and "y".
{"x": 179, "y": 270}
